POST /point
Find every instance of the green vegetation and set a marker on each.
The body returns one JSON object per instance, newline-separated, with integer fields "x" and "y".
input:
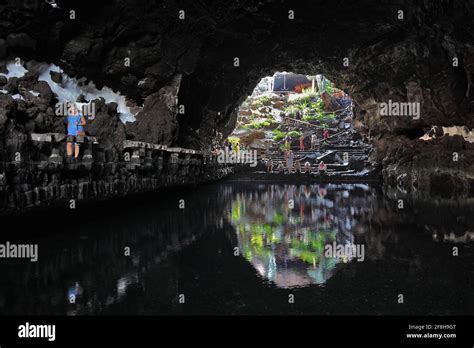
{"x": 234, "y": 141}
{"x": 262, "y": 101}
{"x": 306, "y": 98}
{"x": 285, "y": 146}
{"x": 277, "y": 219}
{"x": 246, "y": 103}
{"x": 260, "y": 238}
{"x": 321, "y": 117}
{"x": 260, "y": 124}
{"x": 307, "y": 106}
{"x": 329, "y": 89}
{"x": 294, "y": 134}
{"x": 292, "y": 109}
{"x": 278, "y": 135}
{"x": 309, "y": 94}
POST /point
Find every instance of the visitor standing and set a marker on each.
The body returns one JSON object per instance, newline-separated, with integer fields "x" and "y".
{"x": 269, "y": 165}
{"x": 298, "y": 166}
{"x": 325, "y": 134}
{"x": 302, "y": 142}
{"x": 322, "y": 166}
{"x": 75, "y": 128}
{"x": 281, "y": 166}
{"x": 314, "y": 139}
{"x": 289, "y": 164}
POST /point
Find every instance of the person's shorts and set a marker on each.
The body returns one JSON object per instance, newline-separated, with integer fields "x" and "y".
{"x": 72, "y": 139}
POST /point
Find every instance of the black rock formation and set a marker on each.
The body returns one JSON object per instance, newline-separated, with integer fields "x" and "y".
{"x": 375, "y": 50}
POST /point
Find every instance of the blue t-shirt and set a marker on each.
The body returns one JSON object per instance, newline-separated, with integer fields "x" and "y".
{"x": 73, "y": 125}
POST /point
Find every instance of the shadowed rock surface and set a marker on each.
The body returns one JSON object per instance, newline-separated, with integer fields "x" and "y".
{"x": 409, "y": 59}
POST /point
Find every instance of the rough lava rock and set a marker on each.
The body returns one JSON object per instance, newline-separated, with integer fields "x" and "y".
{"x": 108, "y": 128}
{"x": 389, "y": 59}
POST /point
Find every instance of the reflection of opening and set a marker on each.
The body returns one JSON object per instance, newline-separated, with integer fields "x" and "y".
{"x": 283, "y": 232}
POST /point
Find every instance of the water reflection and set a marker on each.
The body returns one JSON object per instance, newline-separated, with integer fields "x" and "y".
{"x": 283, "y": 230}
{"x": 280, "y": 231}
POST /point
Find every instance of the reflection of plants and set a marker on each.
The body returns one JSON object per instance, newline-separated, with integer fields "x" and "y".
{"x": 262, "y": 239}
{"x": 257, "y": 240}
{"x": 277, "y": 219}
{"x": 308, "y": 256}
{"x": 312, "y": 249}
{"x": 235, "y": 214}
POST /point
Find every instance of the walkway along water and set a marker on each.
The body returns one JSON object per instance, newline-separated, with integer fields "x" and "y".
{"x": 53, "y": 181}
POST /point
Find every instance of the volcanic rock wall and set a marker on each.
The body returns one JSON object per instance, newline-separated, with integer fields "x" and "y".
{"x": 52, "y": 181}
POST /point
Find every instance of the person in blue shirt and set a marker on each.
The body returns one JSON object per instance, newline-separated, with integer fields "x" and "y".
{"x": 75, "y": 127}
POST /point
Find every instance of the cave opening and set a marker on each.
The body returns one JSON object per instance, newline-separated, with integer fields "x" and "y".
{"x": 296, "y": 123}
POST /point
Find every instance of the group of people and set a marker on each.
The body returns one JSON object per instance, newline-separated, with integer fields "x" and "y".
{"x": 294, "y": 165}
{"x": 293, "y": 168}
{"x": 314, "y": 140}
{"x": 236, "y": 147}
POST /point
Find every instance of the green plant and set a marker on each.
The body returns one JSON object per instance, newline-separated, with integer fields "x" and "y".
{"x": 291, "y": 109}
{"x": 277, "y": 219}
{"x": 294, "y": 134}
{"x": 329, "y": 89}
{"x": 260, "y": 124}
{"x": 331, "y": 116}
{"x": 309, "y": 118}
{"x": 262, "y": 101}
{"x": 308, "y": 92}
{"x": 285, "y": 147}
{"x": 246, "y": 103}
{"x": 278, "y": 135}
{"x": 265, "y": 100}
{"x": 303, "y": 104}
{"x": 233, "y": 140}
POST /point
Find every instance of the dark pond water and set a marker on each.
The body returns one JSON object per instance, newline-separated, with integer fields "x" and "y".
{"x": 244, "y": 249}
